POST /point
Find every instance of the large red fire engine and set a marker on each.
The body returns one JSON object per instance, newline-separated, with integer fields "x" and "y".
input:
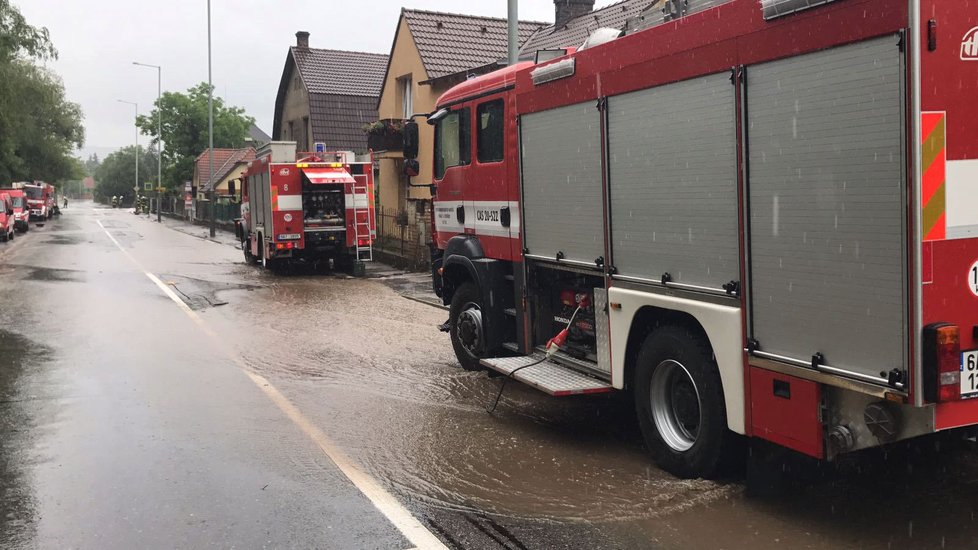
{"x": 314, "y": 209}
{"x": 759, "y": 216}
{"x": 40, "y": 199}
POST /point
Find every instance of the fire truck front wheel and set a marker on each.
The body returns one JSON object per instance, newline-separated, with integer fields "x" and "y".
{"x": 679, "y": 402}
{"x": 466, "y": 326}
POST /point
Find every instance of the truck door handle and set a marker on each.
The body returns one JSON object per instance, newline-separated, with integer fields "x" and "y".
{"x": 460, "y": 214}
{"x": 504, "y": 216}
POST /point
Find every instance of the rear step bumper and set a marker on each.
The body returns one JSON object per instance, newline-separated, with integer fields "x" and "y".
{"x": 548, "y": 377}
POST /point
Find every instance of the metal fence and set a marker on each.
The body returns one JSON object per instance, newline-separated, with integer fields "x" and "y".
{"x": 401, "y": 235}
{"x": 223, "y": 212}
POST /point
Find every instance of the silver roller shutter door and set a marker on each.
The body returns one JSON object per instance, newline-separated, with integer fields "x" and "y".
{"x": 673, "y": 170}
{"x": 827, "y": 207}
{"x": 561, "y": 162}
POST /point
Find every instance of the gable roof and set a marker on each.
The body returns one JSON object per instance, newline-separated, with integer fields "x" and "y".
{"x": 577, "y": 30}
{"x": 258, "y": 135}
{"x": 334, "y": 79}
{"x": 224, "y": 162}
{"x": 451, "y": 43}
{"x": 339, "y": 72}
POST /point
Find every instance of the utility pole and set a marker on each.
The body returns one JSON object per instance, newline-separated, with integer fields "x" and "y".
{"x": 210, "y": 126}
{"x": 513, "y": 32}
{"x": 159, "y": 137}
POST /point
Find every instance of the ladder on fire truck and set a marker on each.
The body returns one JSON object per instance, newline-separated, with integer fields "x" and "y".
{"x": 362, "y": 222}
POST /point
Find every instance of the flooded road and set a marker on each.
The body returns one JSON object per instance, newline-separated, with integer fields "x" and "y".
{"x": 128, "y": 421}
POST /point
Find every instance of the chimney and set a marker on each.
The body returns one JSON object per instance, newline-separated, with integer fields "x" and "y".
{"x": 302, "y": 39}
{"x": 569, "y": 9}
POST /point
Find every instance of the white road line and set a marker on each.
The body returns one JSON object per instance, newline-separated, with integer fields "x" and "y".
{"x": 394, "y": 511}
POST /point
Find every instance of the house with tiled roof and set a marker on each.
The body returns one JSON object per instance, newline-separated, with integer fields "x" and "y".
{"x": 229, "y": 164}
{"x": 327, "y": 96}
{"x": 431, "y": 52}
{"x": 575, "y": 20}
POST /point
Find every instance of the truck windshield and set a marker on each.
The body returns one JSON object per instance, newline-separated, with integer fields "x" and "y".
{"x": 18, "y": 202}
{"x": 452, "y": 142}
{"x": 33, "y": 192}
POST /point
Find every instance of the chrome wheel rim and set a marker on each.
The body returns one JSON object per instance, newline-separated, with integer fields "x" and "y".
{"x": 469, "y": 328}
{"x": 675, "y": 404}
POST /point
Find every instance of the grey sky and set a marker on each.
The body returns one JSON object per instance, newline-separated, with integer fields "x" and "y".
{"x": 99, "y": 39}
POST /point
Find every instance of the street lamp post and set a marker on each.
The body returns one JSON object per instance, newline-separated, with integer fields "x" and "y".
{"x": 210, "y": 124}
{"x": 159, "y": 137}
{"x": 135, "y": 107}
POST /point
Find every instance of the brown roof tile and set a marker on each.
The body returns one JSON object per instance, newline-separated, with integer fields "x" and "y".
{"x": 224, "y": 162}
{"x": 338, "y": 121}
{"x": 577, "y": 30}
{"x": 339, "y": 72}
{"x": 451, "y": 43}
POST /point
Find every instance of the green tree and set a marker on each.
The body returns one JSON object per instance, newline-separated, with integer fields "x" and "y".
{"x": 39, "y": 127}
{"x": 19, "y": 38}
{"x": 116, "y": 173}
{"x": 185, "y": 130}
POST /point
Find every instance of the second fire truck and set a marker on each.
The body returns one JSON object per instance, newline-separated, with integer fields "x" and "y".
{"x": 761, "y": 217}
{"x": 315, "y": 208}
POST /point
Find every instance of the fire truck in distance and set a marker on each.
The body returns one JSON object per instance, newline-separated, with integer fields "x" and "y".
{"x": 40, "y": 199}
{"x": 759, "y": 216}
{"x": 311, "y": 208}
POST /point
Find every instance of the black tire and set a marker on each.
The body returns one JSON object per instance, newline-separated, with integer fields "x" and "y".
{"x": 470, "y": 344}
{"x": 684, "y": 442}
{"x": 248, "y": 256}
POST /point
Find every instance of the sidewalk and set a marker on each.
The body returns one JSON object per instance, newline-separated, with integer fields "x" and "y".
{"x": 409, "y": 284}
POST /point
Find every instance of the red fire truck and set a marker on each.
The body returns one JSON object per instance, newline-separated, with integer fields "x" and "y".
{"x": 761, "y": 217}
{"x": 40, "y": 199}
{"x": 316, "y": 208}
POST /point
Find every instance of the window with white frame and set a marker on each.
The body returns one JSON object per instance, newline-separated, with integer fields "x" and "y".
{"x": 407, "y": 96}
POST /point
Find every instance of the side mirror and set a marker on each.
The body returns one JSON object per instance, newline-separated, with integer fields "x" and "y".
{"x": 411, "y": 139}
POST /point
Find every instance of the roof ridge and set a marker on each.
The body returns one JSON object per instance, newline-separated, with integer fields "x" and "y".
{"x": 331, "y": 50}
{"x": 594, "y": 13}
{"x": 465, "y": 15}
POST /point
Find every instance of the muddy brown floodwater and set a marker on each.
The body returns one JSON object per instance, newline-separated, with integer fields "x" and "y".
{"x": 371, "y": 366}
{"x": 370, "y": 369}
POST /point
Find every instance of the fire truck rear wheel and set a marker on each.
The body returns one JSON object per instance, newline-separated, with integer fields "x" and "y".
{"x": 466, "y": 328}
{"x": 249, "y": 257}
{"x": 679, "y": 402}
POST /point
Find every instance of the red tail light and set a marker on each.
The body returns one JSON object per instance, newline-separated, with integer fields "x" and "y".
{"x": 942, "y": 362}
{"x": 949, "y": 363}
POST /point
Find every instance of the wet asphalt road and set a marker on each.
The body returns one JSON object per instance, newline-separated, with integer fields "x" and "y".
{"x": 236, "y": 419}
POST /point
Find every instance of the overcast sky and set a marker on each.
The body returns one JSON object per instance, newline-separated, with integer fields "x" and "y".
{"x": 99, "y": 39}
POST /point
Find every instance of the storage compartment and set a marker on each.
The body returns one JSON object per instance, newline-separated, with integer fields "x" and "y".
{"x": 827, "y": 188}
{"x": 323, "y": 206}
{"x": 673, "y": 178}
{"x": 561, "y": 183}
{"x": 786, "y": 410}
{"x": 565, "y": 298}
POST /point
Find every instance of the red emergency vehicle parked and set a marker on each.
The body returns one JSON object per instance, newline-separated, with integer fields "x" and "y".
{"x": 7, "y": 229}
{"x": 314, "y": 209}
{"x": 759, "y": 216}
{"x": 40, "y": 200}
{"x": 21, "y": 211}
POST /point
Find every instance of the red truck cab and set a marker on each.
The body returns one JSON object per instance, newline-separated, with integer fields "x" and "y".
{"x": 21, "y": 211}
{"x": 6, "y": 217}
